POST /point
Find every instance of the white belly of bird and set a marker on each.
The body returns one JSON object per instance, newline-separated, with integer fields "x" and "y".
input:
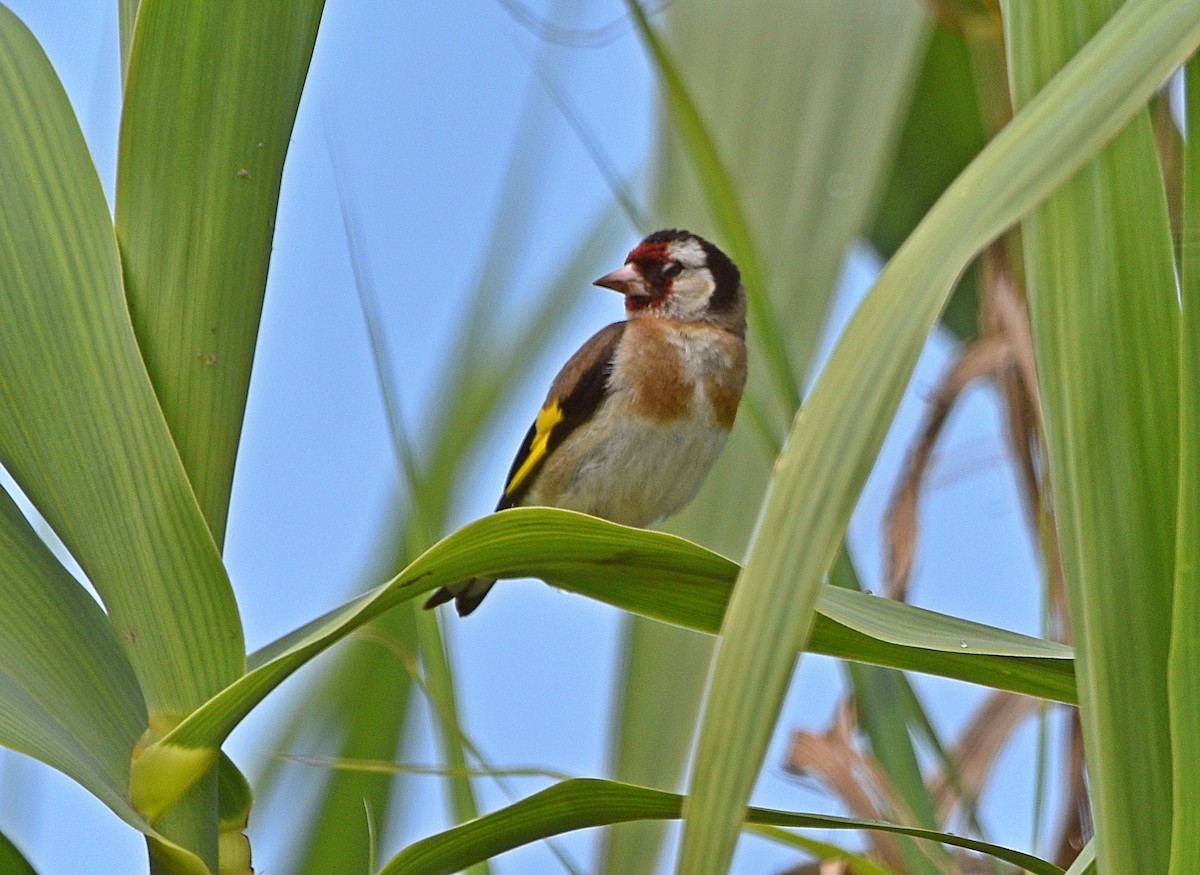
{"x": 633, "y": 470}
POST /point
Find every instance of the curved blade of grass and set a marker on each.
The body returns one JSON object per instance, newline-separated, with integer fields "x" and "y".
{"x": 80, "y": 428}
{"x": 856, "y": 864}
{"x": 1104, "y": 309}
{"x": 1183, "y": 683}
{"x": 588, "y": 802}
{"x": 1085, "y": 863}
{"x": 656, "y": 574}
{"x": 210, "y": 99}
{"x": 68, "y": 695}
{"x": 837, "y": 434}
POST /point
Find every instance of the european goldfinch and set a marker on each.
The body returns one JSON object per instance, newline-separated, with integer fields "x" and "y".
{"x": 636, "y": 418}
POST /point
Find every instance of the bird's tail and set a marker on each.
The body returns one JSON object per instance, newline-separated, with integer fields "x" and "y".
{"x": 467, "y": 595}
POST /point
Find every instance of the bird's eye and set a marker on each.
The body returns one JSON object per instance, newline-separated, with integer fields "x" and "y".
{"x": 671, "y": 269}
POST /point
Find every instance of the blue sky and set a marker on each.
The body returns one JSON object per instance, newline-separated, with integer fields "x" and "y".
{"x": 424, "y": 101}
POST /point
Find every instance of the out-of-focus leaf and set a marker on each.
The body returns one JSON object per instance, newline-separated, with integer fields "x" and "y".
{"x": 1183, "y": 684}
{"x": 210, "y": 98}
{"x": 942, "y": 133}
{"x": 586, "y": 802}
{"x": 881, "y": 708}
{"x": 80, "y": 428}
{"x": 1104, "y": 309}
{"x": 836, "y": 436}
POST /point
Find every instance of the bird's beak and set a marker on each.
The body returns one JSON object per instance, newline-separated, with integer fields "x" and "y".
{"x": 626, "y": 280}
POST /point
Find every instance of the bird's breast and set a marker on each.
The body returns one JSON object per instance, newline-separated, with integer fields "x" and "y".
{"x": 665, "y": 372}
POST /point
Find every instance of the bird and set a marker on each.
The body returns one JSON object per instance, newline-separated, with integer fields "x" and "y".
{"x": 637, "y": 417}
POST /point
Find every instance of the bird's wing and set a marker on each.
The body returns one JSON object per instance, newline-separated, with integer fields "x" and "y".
{"x": 575, "y": 395}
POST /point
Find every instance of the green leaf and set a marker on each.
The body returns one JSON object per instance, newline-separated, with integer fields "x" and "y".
{"x": 210, "y": 99}
{"x": 857, "y": 864}
{"x": 943, "y": 131}
{"x": 80, "y": 428}
{"x": 68, "y": 695}
{"x": 12, "y": 861}
{"x": 834, "y": 438}
{"x": 1183, "y": 684}
{"x": 1104, "y": 309}
{"x": 588, "y": 802}
{"x": 653, "y": 573}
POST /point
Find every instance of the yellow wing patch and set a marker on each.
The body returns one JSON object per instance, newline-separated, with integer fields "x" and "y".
{"x": 548, "y": 417}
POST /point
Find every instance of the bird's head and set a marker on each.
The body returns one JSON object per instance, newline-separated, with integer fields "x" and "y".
{"x": 680, "y": 275}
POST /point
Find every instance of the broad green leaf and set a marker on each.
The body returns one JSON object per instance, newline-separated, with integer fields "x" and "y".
{"x": 80, "y": 428}
{"x": 210, "y": 98}
{"x": 1183, "y": 684}
{"x": 828, "y": 455}
{"x": 12, "y": 861}
{"x": 68, "y": 695}
{"x": 653, "y": 573}
{"x": 1104, "y": 310}
{"x": 588, "y": 802}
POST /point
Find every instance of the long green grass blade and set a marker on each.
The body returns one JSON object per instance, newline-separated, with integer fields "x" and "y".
{"x": 1104, "y": 310}
{"x": 587, "y": 802}
{"x": 855, "y": 864}
{"x": 68, "y": 695}
{"x": 653, "y": 573}
{"x": 210, "y": 98}
{"x": 834, "y": 438}
{"x": 1183, "y": 685}
{"x": 80, "y": 428}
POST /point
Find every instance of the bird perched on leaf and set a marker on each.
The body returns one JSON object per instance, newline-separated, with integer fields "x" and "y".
{"x": 636, "y": 418}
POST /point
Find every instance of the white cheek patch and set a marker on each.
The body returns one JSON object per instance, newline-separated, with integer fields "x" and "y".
{"x": 690, "y": 292}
